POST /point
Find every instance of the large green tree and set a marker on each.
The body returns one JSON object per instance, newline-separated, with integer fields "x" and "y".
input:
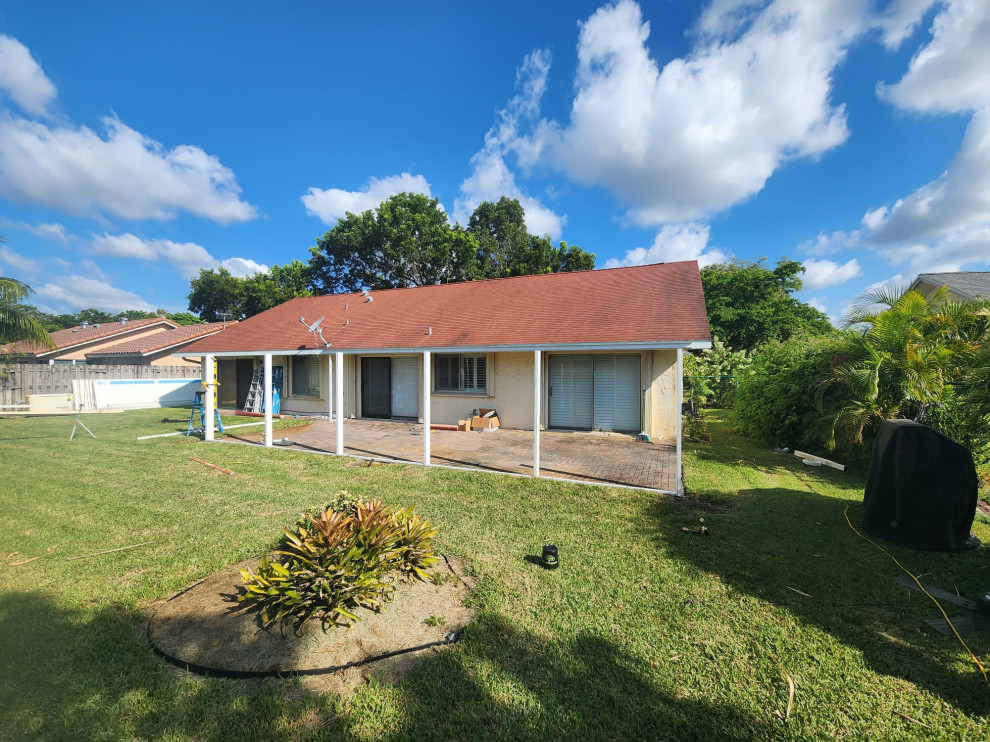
{"x": 750, "y": 304}
{"x": 263, "y": 291}
{"x": 406, "y": 241}
{"x": 500, "y": 230}
{"x": 505, "y": 248}
{"x": 216, "y": 293}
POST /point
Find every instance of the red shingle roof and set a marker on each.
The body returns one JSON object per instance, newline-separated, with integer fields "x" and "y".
{"x": 650, "y": 304}
{"x": 160, "y": 340}
{"x": 80, "y": 335}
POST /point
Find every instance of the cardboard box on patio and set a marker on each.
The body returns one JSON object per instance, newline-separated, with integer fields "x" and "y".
{"x": 463, "y": 424}
{"x": 486, "y": 419}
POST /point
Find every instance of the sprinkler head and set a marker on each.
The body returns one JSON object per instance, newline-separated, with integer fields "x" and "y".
{"x": 550, "y": 558}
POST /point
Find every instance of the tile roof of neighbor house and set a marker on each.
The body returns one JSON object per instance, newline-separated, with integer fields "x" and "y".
{"x": 648, "y": 305}
{"x": 971, "y": 283}
{"x": 159, "y": 341}
{"x": 81, "y": 335}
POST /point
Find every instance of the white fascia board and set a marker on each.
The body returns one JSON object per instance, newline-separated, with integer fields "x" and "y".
{"x": 251, "y": 353}
{"x": 178, "y": 344}
{"x": 669, "y": 345}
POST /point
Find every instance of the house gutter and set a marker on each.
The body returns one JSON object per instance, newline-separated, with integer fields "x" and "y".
{"x": 663, "y": 345}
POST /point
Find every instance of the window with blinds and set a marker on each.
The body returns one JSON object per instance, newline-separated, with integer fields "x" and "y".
{"x": 461, "y": 373}
{"x": 306, "y": 376}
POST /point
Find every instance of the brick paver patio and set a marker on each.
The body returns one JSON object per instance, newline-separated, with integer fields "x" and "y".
{"x": 592, "y": 457}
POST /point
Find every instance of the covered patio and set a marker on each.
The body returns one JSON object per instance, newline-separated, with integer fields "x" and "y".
{"x": 595, "y": 458}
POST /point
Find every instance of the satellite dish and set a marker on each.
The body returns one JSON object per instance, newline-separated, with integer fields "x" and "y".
{"x": 312, "y": 327}
{"x": 316, "y": 330}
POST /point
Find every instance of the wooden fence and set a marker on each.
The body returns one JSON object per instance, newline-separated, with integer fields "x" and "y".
{"x": 18, "y": 380}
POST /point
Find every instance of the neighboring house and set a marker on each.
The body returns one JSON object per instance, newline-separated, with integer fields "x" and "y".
{"x": 593, "y": 350}
{"x": 73, "y": 344}
{"x": 155, "y": 349}
{"x": 962, "y": 285}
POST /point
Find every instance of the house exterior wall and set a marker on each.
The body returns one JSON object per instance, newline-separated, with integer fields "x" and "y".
{"x": 661, "y": 396}
{"x": 165, "y": 358}
{"x": 161, "y": 358}
{"x": 511, "y": 392}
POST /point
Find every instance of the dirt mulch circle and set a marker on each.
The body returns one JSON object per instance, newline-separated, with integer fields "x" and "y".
{"x": 205, "y": 630}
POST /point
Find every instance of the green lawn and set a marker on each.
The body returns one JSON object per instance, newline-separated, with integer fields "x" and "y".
{"x": 645, "y": 632}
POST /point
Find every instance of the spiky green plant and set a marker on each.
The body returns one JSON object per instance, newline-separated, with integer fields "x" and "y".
{"x": 901, "y": 352}
{"x": 333, "y": 563}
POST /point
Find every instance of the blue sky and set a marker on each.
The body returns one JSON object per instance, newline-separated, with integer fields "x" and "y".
{"x": 141, "y": 142}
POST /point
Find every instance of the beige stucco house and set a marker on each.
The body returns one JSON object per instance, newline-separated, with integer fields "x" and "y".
{"x": 595, "y": 350}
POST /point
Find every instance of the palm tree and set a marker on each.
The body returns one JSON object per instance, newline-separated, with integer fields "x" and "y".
{"x": 900, "y": 353}
{"x": 15, "y": 323}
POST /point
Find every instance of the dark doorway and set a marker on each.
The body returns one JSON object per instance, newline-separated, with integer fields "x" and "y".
{"x": 376, "y": 385}
{"x": 227, "y": 379}
{"x": 245, "y": 372}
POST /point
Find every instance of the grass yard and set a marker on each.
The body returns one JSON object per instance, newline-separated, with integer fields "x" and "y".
{"x": 645, "y": 632}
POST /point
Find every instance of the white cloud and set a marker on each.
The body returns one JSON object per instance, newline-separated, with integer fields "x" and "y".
{"x": 243, "y": 267}
{"x": 126, "y": 174}
{"x": 53, "y": 231}
{"x": 333, "y": 203}
{"x": 705, "y": 131}
{"x": 94, "y": 271}
{"x": 19, "y": 262}
{"x": 818, "y": 303}
{"x": 22, "y": 79}
{"x": 124, "y": 246}
{"x": 829, "y": 244}
{"x": 187, "y": 257}
{"x": 819, "y": 274}
{"x": 965, "y": 249}
{"x": 674, "y": 242}
{"x": 951, "y": 73}
{"x": 945, "y": 224}
{"x": 899, "y": 20}
{"x": 73, "y": 293}
{"x": 491, "y": 177}
{"x": 957, "y": 199}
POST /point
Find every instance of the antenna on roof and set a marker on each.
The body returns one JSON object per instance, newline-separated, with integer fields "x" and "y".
{"x": 316, "y": 330}
{"x": 225, "y": 315}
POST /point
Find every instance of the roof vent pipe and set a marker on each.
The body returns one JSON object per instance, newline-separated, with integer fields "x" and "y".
{"x": 346, "y": 322}
{"x": 429, "y": 331}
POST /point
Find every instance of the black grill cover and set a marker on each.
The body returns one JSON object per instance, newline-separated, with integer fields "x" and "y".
{"x": 921, "y": 491}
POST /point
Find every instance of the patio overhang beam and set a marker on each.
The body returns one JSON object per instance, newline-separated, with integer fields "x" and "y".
{"x": 559, "y": 347}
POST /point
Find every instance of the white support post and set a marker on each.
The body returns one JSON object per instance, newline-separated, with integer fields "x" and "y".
{"x": 208, "y": 406}
{"x": 426, "y": 407}
{"x": 268, "y": 400}
{"x": 679, "y": 401}
{"x": 338, "y": 389}
{"x": 329, "y": 387}
{"x": 537, "y": 378}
